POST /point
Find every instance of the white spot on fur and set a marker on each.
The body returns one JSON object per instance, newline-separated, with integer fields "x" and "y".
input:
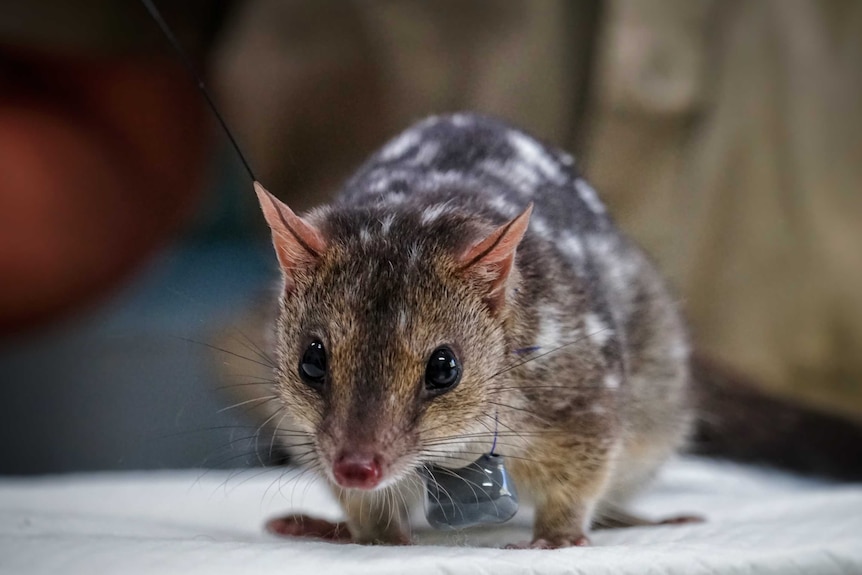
{"x": 550, "y": 330}
{"x": 589, "y": 195}
{"x": 601, "y": 245}
{"x": 428, "y": 122}
{"x": 431, "y": 213}
{"x": 394, "y": 198}
{"x": 571, "y": 245}
{"x": 495, "y": 168}
{"x": 400, "y": 145}
{"x": 503, "y": 206}
{"x": 386, "y": 224}
{"x": 402, "y": 320}
{"x": 435, "y": 180}
{"x": 562, "y": 402}
{"x": 540, "y": 228}
{"x": 527, "y": 175}
{"x": 619, "y": 270}
{"x": 364, "y": 236}
{"x": 679, "y": 350}
{"x": 566, "y": 159}
{"x": 462, "y": 120}
{"x": 426, "y": 153}
{"x": 379, "y": 186}
{"x": 413, "y": 255}
{"x": 534, "y": 155}
{"x": 596, "y": 329}
{"x": 519, "y": 171}
{"x": 612, "y": 381}
{"x": 317, "y": 215}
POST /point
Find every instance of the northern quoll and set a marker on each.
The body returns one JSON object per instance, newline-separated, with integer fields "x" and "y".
{"x": 468, "y": 279}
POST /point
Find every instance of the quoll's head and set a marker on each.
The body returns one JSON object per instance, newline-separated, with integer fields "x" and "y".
{"x": 392, "y": 328}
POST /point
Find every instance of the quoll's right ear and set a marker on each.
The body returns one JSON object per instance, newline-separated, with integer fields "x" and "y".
{"x": 298, "y": 244}
{"x": 489, "y": 262}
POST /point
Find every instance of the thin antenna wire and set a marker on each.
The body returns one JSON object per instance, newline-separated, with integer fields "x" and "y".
{"x": 494, "y": 444}
{"x": 157, "y": 16}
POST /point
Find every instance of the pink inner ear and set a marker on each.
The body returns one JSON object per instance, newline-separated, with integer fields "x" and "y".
{"x": 500, "y": 244}
{"x": 490, "y": 260}
{"x": 297, "y": 243}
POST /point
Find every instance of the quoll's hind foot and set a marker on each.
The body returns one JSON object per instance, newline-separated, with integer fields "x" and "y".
{"x": 309, "y": 527}
{"x": 618, "y": 518}
{"x": 579, "y": 541}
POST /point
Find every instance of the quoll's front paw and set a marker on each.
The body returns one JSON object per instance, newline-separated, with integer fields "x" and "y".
{"x": 309, "y": 527}
{"x": 313, "y": 528}
{"x": 553, "y": 543}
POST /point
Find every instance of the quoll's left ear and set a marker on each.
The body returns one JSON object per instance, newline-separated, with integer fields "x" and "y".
{"x": 490, "y": 260}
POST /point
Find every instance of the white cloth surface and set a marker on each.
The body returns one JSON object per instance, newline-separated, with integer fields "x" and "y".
{"x": 211, "y": 522}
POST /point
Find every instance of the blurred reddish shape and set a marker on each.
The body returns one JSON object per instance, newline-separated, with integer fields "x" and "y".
{"x": 100, "y": 162}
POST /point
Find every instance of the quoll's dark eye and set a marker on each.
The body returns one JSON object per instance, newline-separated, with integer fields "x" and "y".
{"x": 312, "y": 365}
{"x": 443, "y": 371}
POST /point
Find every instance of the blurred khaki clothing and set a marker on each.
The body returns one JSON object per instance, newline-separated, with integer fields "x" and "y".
{"x": 727, "y": 137}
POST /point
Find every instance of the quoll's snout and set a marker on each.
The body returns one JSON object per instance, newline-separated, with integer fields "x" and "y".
{"x": 357, "y": 470}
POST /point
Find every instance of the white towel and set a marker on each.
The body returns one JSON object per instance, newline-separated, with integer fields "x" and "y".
{"x": 211, "y": 522}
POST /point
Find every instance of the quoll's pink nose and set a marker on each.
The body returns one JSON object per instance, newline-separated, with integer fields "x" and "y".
{"x": 357, "y": 470}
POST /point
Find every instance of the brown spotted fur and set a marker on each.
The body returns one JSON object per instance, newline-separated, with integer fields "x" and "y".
{"x": 585, "y": 420}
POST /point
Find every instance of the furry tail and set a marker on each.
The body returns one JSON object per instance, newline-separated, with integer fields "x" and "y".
{"x": 741, "y": 423}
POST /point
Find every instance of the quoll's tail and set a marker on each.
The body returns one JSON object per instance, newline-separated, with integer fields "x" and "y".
{"x": 739, "y": 422}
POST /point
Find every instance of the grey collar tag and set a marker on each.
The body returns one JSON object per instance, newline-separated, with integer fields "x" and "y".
{"x": 480, "y": 493}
